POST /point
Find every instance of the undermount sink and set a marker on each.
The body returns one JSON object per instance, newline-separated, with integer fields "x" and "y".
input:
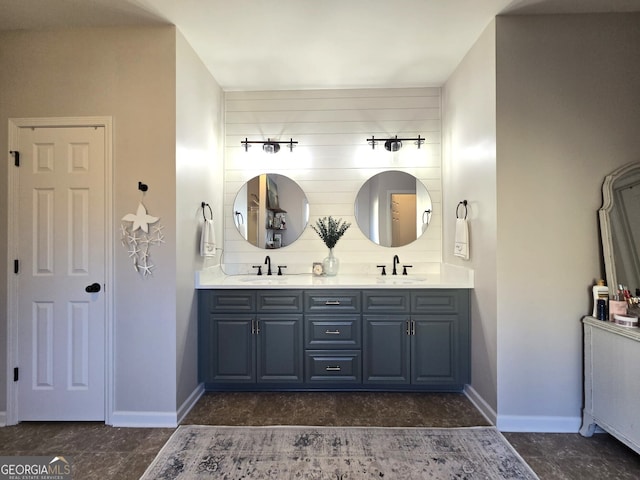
{"x": 256, "y": 279}
{"x": 400, "y": 280}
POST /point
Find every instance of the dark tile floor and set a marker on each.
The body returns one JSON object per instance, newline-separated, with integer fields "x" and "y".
{"x": 102, "y": 452}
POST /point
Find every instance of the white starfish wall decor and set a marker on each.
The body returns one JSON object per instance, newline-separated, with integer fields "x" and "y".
{"x": 136, "y": 238}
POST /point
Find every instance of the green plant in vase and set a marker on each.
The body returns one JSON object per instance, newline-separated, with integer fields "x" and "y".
{"x": 330, "y": 231}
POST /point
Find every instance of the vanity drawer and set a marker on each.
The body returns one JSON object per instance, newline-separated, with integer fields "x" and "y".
{"x": 227, "y": 301}
{"x": 343, "y": 301}
{"x": 386, "y": 301}
{"x": 332, "y": 331}
{"x": 440, "y": 301}
{"x": 289, "y": 301}
{"x": 326, "y": 366}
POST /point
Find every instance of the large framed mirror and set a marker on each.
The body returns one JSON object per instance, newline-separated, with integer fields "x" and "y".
{"x": 393, "y": 208}
{"x": 270, "y": 211}
{"x": 620, "y": 227}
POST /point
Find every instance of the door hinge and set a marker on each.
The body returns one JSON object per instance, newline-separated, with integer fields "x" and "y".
{"x": 16, "y": 374}
{"x": 16, "y": 157}
{"x": 16, "y": 266}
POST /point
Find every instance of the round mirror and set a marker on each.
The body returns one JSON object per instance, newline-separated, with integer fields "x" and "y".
{"x": 270, "y": 211}
{"x": 393, "y": 208}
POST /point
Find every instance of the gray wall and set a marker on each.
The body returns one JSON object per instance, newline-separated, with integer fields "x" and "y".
{"x": 567, "y": 114}
{"x": 469, "y": 173}
{"x": 199, "y": 167}
{"x": 537, "y": 113}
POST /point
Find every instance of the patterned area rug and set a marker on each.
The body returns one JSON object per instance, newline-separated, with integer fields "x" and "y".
{"x": 337, "y": 453}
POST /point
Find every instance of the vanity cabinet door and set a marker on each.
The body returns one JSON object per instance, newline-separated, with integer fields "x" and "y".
{"x": 231, "y": 357}
{"x": 440, "y": 343}
{"x": 280, "y": 348}
{"x": 434, "y": 350}
{"x": 386, "y": 349}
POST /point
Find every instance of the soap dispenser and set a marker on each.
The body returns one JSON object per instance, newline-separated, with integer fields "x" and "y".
{"x": 600, "y": 292}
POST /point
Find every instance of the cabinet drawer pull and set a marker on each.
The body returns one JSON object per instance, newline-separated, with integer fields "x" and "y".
{"x": 332, "y": 369}
{"x": 332, "y": 332}
{"x": 332, "y": 302}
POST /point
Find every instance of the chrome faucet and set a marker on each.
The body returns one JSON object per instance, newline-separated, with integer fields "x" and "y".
{"x": 267, "y": 261}
{"x": 396, "y": 261}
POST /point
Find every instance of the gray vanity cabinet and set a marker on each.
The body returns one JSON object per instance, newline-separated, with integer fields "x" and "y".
{"x": 334, "y": 339}
{"x": 418, "y": 337}
{"x": 249, "y": 337}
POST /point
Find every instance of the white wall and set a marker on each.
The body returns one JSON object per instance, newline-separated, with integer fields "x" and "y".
{"x": 127, "y": 73}
{"x": 469, "y": 173}
{"x": 199, "y": 174}
{"x": 567, "y": 114}
{"x": 331, "y": 163}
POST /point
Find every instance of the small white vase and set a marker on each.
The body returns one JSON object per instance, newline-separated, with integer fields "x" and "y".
{"x": 331, "y": 264}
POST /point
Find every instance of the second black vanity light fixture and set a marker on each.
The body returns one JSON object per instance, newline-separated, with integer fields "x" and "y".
{"x": 394, "y": 144}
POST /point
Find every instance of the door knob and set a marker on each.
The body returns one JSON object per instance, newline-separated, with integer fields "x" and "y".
{"x": 93, "y": 288}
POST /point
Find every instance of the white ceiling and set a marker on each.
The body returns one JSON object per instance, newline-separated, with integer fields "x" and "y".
{"x": 299, "y": 44}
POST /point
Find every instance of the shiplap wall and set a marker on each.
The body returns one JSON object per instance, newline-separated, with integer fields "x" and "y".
{"x": 331, "y": 162}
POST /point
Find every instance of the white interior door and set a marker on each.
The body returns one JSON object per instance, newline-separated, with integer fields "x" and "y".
{"x": 62, "y": 259}
{"x": 403, "y": 218}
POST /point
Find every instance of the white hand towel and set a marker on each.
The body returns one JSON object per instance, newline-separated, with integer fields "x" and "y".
{"x": 461, "y": 248}
{"x": 208, "y": 239}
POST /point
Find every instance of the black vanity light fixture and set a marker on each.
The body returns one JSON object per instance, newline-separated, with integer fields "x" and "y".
{"x": 268, "y": 145}
{"x": 394, "y": 144}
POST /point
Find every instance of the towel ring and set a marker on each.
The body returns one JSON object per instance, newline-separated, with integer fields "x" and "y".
{"x": 203, "y": 204}
{"x": 464, "y": 204}
{"x": 241, "y": 220}
{"x": 428, "y": 214}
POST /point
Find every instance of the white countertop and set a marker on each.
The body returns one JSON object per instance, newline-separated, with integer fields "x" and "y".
{"x": 448, "y": 277}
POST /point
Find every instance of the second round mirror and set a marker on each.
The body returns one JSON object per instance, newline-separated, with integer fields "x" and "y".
{"x": 393, "y": 208}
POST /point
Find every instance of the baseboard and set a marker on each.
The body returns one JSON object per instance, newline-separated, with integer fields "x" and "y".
{"x": 522, "y": 423}
{"x": 157, "y": 419}
{"x": 538, "y": 424}
{"x": 479, "y": 402}
{"x": 3, "y": 419}
{"x": 190, "y": 402}
{"x": 144, "y": 419}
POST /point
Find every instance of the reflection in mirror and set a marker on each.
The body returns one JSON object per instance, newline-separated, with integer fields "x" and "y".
{"x": 270, "y": 211}
{"x": 393, "y": 208}
{"x": 620, "y": 227}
